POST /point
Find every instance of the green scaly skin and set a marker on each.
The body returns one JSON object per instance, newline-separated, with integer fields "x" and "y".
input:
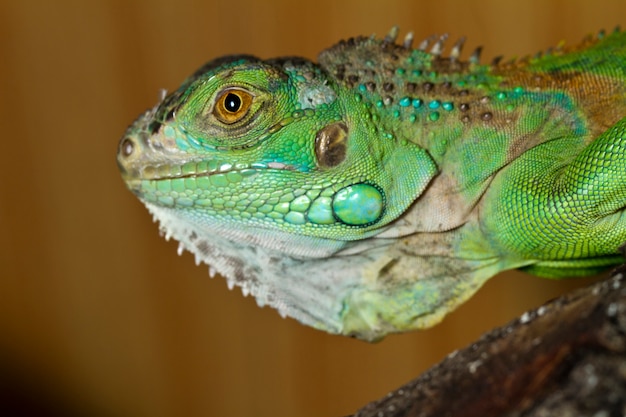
{"x": 377, "y": 190}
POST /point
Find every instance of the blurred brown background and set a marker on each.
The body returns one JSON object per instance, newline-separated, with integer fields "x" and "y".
{"x": 97, "y": 312}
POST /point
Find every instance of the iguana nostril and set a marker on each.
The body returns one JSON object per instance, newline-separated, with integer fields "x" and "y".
{"x": 127, "y": 147}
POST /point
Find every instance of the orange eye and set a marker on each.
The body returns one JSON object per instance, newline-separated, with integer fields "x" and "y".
{"x": 232, "y": 105}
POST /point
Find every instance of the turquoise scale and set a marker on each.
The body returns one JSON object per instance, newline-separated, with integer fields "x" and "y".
{"x": 358, "y": 204}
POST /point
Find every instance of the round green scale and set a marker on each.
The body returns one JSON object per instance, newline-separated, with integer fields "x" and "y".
{"x": 358, "y": 204}
{"x": 320, "y": 211}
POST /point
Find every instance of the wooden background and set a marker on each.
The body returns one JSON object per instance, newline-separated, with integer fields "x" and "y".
{"x": 96, "y": 310}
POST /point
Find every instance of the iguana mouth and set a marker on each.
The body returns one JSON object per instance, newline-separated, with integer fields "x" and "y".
{"x": 136, "y": 164}
{"x": 205, "y": 169}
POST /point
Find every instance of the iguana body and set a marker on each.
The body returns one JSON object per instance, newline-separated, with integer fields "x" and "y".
{"x": 377, "y": 190}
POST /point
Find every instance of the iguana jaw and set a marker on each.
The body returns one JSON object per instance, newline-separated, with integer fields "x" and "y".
{"x": 244, "y": 189}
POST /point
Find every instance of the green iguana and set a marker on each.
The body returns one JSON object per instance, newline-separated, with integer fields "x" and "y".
{"x": 375, "y": 191}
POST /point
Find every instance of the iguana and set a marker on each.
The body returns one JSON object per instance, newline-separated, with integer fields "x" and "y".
{"x": 376, "y": 190}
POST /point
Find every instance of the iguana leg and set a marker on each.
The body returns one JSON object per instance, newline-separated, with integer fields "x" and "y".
{"x": 564, "y": 211}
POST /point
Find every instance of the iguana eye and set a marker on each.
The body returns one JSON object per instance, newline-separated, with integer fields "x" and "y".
{"x": 232, "y": 105}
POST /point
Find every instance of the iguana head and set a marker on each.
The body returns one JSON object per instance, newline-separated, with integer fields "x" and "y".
{"x": 267, "y": 171}
{"x": 272, "y": 146}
